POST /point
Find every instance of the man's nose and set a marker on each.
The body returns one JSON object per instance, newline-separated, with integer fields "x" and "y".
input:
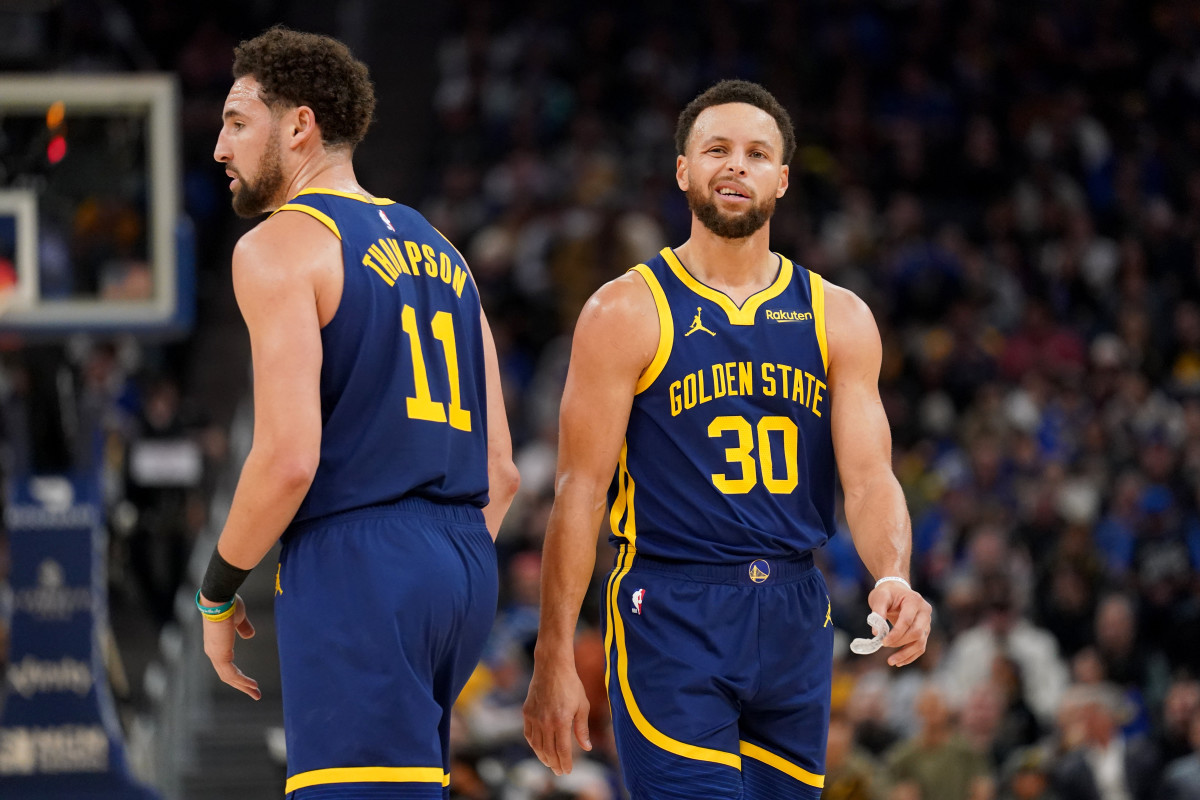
{"x": 737, "y": 162}
{"x": 221, "y": 151}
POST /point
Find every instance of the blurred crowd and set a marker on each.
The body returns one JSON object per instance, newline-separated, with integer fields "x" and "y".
{"x": 1014, "y": 188}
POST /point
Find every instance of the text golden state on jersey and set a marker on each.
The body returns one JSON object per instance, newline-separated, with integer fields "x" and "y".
{"x": 737, "y": 379}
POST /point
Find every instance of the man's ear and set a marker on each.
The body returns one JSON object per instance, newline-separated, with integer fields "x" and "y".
{"x": 681, "y": 173}
{"x": 303, "y": 124}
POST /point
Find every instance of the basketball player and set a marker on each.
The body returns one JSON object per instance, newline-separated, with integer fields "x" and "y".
{"x": 711, "y": 392}
{"x": 381, "y": 451}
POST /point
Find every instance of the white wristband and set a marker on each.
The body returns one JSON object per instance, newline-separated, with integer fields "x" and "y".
{"x": 895, "y": 578}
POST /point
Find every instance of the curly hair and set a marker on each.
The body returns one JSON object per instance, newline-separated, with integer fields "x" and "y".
{"x": 308, "y": 69}
{"x": 736, "y": 91}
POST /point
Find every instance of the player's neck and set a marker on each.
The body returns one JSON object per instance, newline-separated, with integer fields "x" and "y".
{"x": 737, "y": 267}
{"x": 327, "y": 170}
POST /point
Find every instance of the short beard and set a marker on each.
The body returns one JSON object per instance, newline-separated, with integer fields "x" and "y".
{"x": 727, "y": 227}
{"x": 261, "y": 195}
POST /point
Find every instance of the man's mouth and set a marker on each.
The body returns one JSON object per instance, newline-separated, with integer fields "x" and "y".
{"x": 732, "y": 192}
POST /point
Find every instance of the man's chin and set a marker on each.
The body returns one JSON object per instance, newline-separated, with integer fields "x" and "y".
{"x": 249, "y": 207}
{"x": 735, "y": 226}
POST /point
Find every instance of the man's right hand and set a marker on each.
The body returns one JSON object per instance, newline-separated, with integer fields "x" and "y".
{"x": 556, "y": 708}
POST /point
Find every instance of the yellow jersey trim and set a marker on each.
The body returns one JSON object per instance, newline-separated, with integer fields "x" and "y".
{"x": 643, "y": 725}
{"x": 608, "y": 633}
{"x": 818, "y": 304}
{"x": 781, "y": 764}
{"x": 319, "y": 777}
{"x": 737, "y": 316}
{"x": 666, "y": 330}
{"x": 623, "y": 503}
{"x": 375, "y": 201}
{"x": 320, "y": 216}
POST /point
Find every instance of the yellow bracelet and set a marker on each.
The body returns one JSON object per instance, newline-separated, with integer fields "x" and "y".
{"x": 224, "y": 615}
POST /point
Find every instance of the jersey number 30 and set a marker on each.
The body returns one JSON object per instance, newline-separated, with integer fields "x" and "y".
{"x": 743, "y": 454}
{"x": 423, "y": 406}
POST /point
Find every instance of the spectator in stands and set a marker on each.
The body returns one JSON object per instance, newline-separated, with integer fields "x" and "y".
{"x": 164, "y": 469}
{"x": 1181, "y": 780}
{"x": 850, "y": 772}
{"x": 1180, "y": 708}
{"x": 980, "y": 720}
{"x": 1066, "y": 606}
{"x": 938, "y": 761}
{"x": 1104, "y": 764}
{"x": 1018, "y": 724}
{"x": 867, "y": 710}
{"x": 1128, "y": 661}
{"x": 1004, "y": 631}
{"x": 1027, "y": 776}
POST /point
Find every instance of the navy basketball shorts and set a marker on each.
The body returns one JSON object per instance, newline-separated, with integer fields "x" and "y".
{"x": 382, "y": 614}
{"x": 719, "y": 677}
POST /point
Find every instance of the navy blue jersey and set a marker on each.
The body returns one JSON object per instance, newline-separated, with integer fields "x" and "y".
{"x": 403, "y": 392}
{"x": 728, "y": 456}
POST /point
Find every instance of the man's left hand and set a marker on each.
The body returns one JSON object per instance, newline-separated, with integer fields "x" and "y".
{"x": 218, "y": 646}
{"x": 911, "y": 618}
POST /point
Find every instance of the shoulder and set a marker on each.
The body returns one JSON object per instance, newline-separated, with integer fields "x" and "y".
{"x": 280, "y": 237}
{"x": 624, "y": 299}
{"x": 621, "y": 315}
{"x": 287, "y": 246}
{"x": 850, "y": 330}
{"x": 847, "y": 316}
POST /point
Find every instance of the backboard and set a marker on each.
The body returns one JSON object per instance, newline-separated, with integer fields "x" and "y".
{"x": 92, "y": 237}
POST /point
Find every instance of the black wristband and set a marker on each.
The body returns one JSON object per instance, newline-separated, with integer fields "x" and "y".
{"x": 221, "y": 579}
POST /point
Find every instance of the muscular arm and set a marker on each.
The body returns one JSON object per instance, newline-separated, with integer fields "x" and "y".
{"x": 862, "y": 441}
{"x": 615, "y": 340}
{"x": 276, "y": 268}
{"x": 503, "y": 479}
{"x": 277, "y": 298}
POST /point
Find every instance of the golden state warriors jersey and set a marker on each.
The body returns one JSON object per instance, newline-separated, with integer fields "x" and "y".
{"x": 403, "y": 392}
{"x": 728, "y": 456}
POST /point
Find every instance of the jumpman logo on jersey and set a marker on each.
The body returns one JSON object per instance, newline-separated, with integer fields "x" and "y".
{"x": 828, "y": 613}
{"x": 697, "y": 325}
{"x": 278, "y": 588}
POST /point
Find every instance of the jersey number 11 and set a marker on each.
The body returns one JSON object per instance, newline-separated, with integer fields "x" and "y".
{"x": 423, "y": 406}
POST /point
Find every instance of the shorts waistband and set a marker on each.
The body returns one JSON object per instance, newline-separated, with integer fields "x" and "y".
{"x": 752, "y": 572}
{"x": 450, "y": 512}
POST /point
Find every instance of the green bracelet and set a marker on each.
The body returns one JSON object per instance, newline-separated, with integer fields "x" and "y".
{"x": 214, "y": 611}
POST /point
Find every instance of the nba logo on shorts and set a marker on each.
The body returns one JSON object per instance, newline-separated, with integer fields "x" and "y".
{"x": 386, "y": 221}
{"x": 637, "y": 600}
